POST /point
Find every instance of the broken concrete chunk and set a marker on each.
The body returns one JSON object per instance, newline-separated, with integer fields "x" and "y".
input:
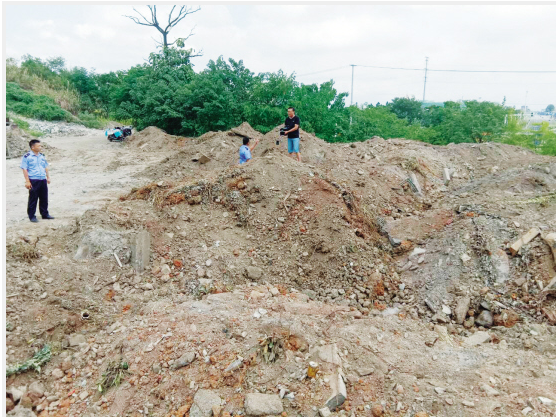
{"x": 477, "y": 339}
{"x": 184, "y": 360}
{"x": 203, "y": 402}
{"x": 141, "y": 251}
{"x": 263, "y": 404}
{"x": 523, "y": 240}
{"x": 491, "y": 392}
{"x": 485, "y": 319}
{"x": 254, "y": 273}
{"x": 461, "y": 309}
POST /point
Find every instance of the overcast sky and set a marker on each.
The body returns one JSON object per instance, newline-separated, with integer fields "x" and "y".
{"x": 306, "y": 39}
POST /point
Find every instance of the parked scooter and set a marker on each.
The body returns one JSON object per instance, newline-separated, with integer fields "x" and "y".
{"x": 118, "y": 134}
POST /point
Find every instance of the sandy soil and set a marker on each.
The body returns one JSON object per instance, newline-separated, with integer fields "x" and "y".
{"x": 86, "y": 172}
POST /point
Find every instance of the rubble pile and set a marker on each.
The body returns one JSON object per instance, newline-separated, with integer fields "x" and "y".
{"x": 385, "y": 277}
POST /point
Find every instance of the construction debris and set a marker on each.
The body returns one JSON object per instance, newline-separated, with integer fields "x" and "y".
{"x": 523, "y": 240}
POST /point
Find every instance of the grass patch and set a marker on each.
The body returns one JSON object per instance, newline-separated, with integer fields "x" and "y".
{"x": 113, "y": 376}
{"x": 34, "y": 363}
{"x": 33, "y": 105}
{"x": 23, "y": 125}
{"x": 25, "y": 250}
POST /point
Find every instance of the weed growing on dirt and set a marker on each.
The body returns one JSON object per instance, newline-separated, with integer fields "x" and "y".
{"x": 113, "y": 376}
{"x": 25, "y": 250}
{"x": 35, "y": 363}
{"x": 270, "y": 348}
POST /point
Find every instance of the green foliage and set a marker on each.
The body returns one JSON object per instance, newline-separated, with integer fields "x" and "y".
{"x": 407, "y": 108}
{"x": 35, "y": 363}
{"x": 550, "y": 108}
{"x": 32, "y": 105}
{"x": 23, "y": 125}
{"x": 167, "y": 93}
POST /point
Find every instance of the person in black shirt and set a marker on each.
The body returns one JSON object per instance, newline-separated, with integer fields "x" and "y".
{"x": 292, "y": 125}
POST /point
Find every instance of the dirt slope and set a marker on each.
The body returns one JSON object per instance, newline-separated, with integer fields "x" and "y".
{"x": 338, "y": 258}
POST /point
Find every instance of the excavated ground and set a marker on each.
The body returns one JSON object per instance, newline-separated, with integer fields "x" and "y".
{"x": 338, "y": 253}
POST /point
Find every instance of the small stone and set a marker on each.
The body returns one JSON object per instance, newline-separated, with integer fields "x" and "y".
{"x": 83, "y": 395}
{"x": 377, "y": 410}
{"x": 449, "y": 401}
{"x": 461, "y": 309}
{"x": 184, "y": 360}
{"x": 254, "y": 273}
{"x": 275, "y": 291}
{"x": 325, "y": 412}
{"x": 57, "y": 373}
{"x": 201, "y": 272}
{"x": 165, "y": 270}
{"x": 465, "y": 257}
{"x": 263, "y": 404}
{"x": 477, "y": 338}
{"x": 485, "y": 319}
{"x": 526, "y": 410}
{"x": 364, "y": 371}
{"x": 547, "y": 401}
{"x": 440, "y": 390}
{"x": 76, "y": 339}
{"x": 37, "y": 388}
{"x": 447, "y": 310}
{"x": 156, "y": 368}
{"x": 203, "y": 403}
{"x": 491, "y": 392}
{"x": 208, "y": 263}
{"x": 469, "y": 404}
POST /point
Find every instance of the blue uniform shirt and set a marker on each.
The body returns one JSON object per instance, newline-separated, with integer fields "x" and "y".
{"x": 244, "y": 154}
{"x": 35, "y": 165}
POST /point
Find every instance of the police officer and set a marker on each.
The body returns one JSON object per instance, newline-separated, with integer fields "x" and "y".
{"x": 37, "y": 178}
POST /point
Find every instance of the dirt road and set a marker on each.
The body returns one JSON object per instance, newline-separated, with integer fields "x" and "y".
{"x": 86, "y": 172}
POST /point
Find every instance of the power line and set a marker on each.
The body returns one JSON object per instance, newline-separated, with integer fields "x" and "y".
{"x": 455, "y": 70}
{"x": 320, "y": 72}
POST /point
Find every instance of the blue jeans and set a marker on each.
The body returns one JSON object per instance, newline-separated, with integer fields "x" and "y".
{"x": 293, "y": 145}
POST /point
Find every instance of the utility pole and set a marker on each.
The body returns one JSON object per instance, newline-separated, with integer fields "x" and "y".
{"x": 352, "y": 68}
{"x": 426, "y": 68}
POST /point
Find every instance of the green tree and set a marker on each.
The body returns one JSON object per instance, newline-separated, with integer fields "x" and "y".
{"x": 550, "y": 108}
{"x": 407, "y": 108}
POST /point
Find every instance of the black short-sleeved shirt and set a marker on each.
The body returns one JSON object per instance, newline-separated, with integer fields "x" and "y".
{"x": 290, "y": 123}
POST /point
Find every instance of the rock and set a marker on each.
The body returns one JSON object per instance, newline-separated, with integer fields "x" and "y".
{"x": 203, "y": 402}
{"x": 440, "y": 318}
{"x": 461, "y": 309}
{"x": 325, "y": 412}
{"x": 335, "y": 401}
{"x": 469, "y": 404}
{"x": 141, "y": 251}
{"x": 10, "y": 405}
{"x": 440, "y": 390}
{"x": 37, "y": 388}
{"x": 526, "y": 410}
{"x": 310, "y": 293}
{"x": 20, "y": 411}
{"x": 165, "y": 270}
{"x": 201, "y": 272}
{"x": 485, "y": 319}
{"x": 491, "y": 392}
{"x": 15, "y": 394}
{"x": 254, "y": 273}
{"x": 446, "y": 310}
{"x": 184, "y": 360}
{"x": 364, "y": 371}
{"x": 470, "y": 322}
{"x": 156, "y": 368}
{"x": 76, "y": 339}
{"x": 377, "y": 410}
{"x": 477, "y": 338}
{"x": 547, "y": 401}
{"x": 465, "y": 258}
{"x": 256, "y": 295}
{"x": 507, "y": 318}
{"x": 417, "y": 252}
{"x": 275, "y": 291}
{"x": 83, "y": 395}
{"x": 262, "y": 404}
{"x": 208, "y": 263}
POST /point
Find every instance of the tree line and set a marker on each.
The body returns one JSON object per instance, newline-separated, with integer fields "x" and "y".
{"x": 166, "y": 92}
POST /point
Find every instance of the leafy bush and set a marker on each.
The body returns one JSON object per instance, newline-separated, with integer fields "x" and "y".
{"x": 33, "y": 105}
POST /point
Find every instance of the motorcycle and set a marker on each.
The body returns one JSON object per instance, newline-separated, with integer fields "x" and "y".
{"x": 118, "y": 134}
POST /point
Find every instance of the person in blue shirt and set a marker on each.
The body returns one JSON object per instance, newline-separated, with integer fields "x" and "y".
{"x": 245, "y": 150}
{"x": 37, "y": 178}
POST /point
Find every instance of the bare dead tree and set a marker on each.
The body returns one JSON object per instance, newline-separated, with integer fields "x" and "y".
{"x": 153, "y": 22}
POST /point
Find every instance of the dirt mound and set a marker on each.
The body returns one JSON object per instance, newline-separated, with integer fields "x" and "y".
{"x": 17, "y": 142}
{"x": 154, "y": 139}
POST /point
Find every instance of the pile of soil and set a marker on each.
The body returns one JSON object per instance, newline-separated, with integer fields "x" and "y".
{"x": 17, "y": 142}
{"x": 153, "y": 139}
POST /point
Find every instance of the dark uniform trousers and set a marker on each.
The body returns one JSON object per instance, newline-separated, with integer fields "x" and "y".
{"x": 38, "y": 191}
